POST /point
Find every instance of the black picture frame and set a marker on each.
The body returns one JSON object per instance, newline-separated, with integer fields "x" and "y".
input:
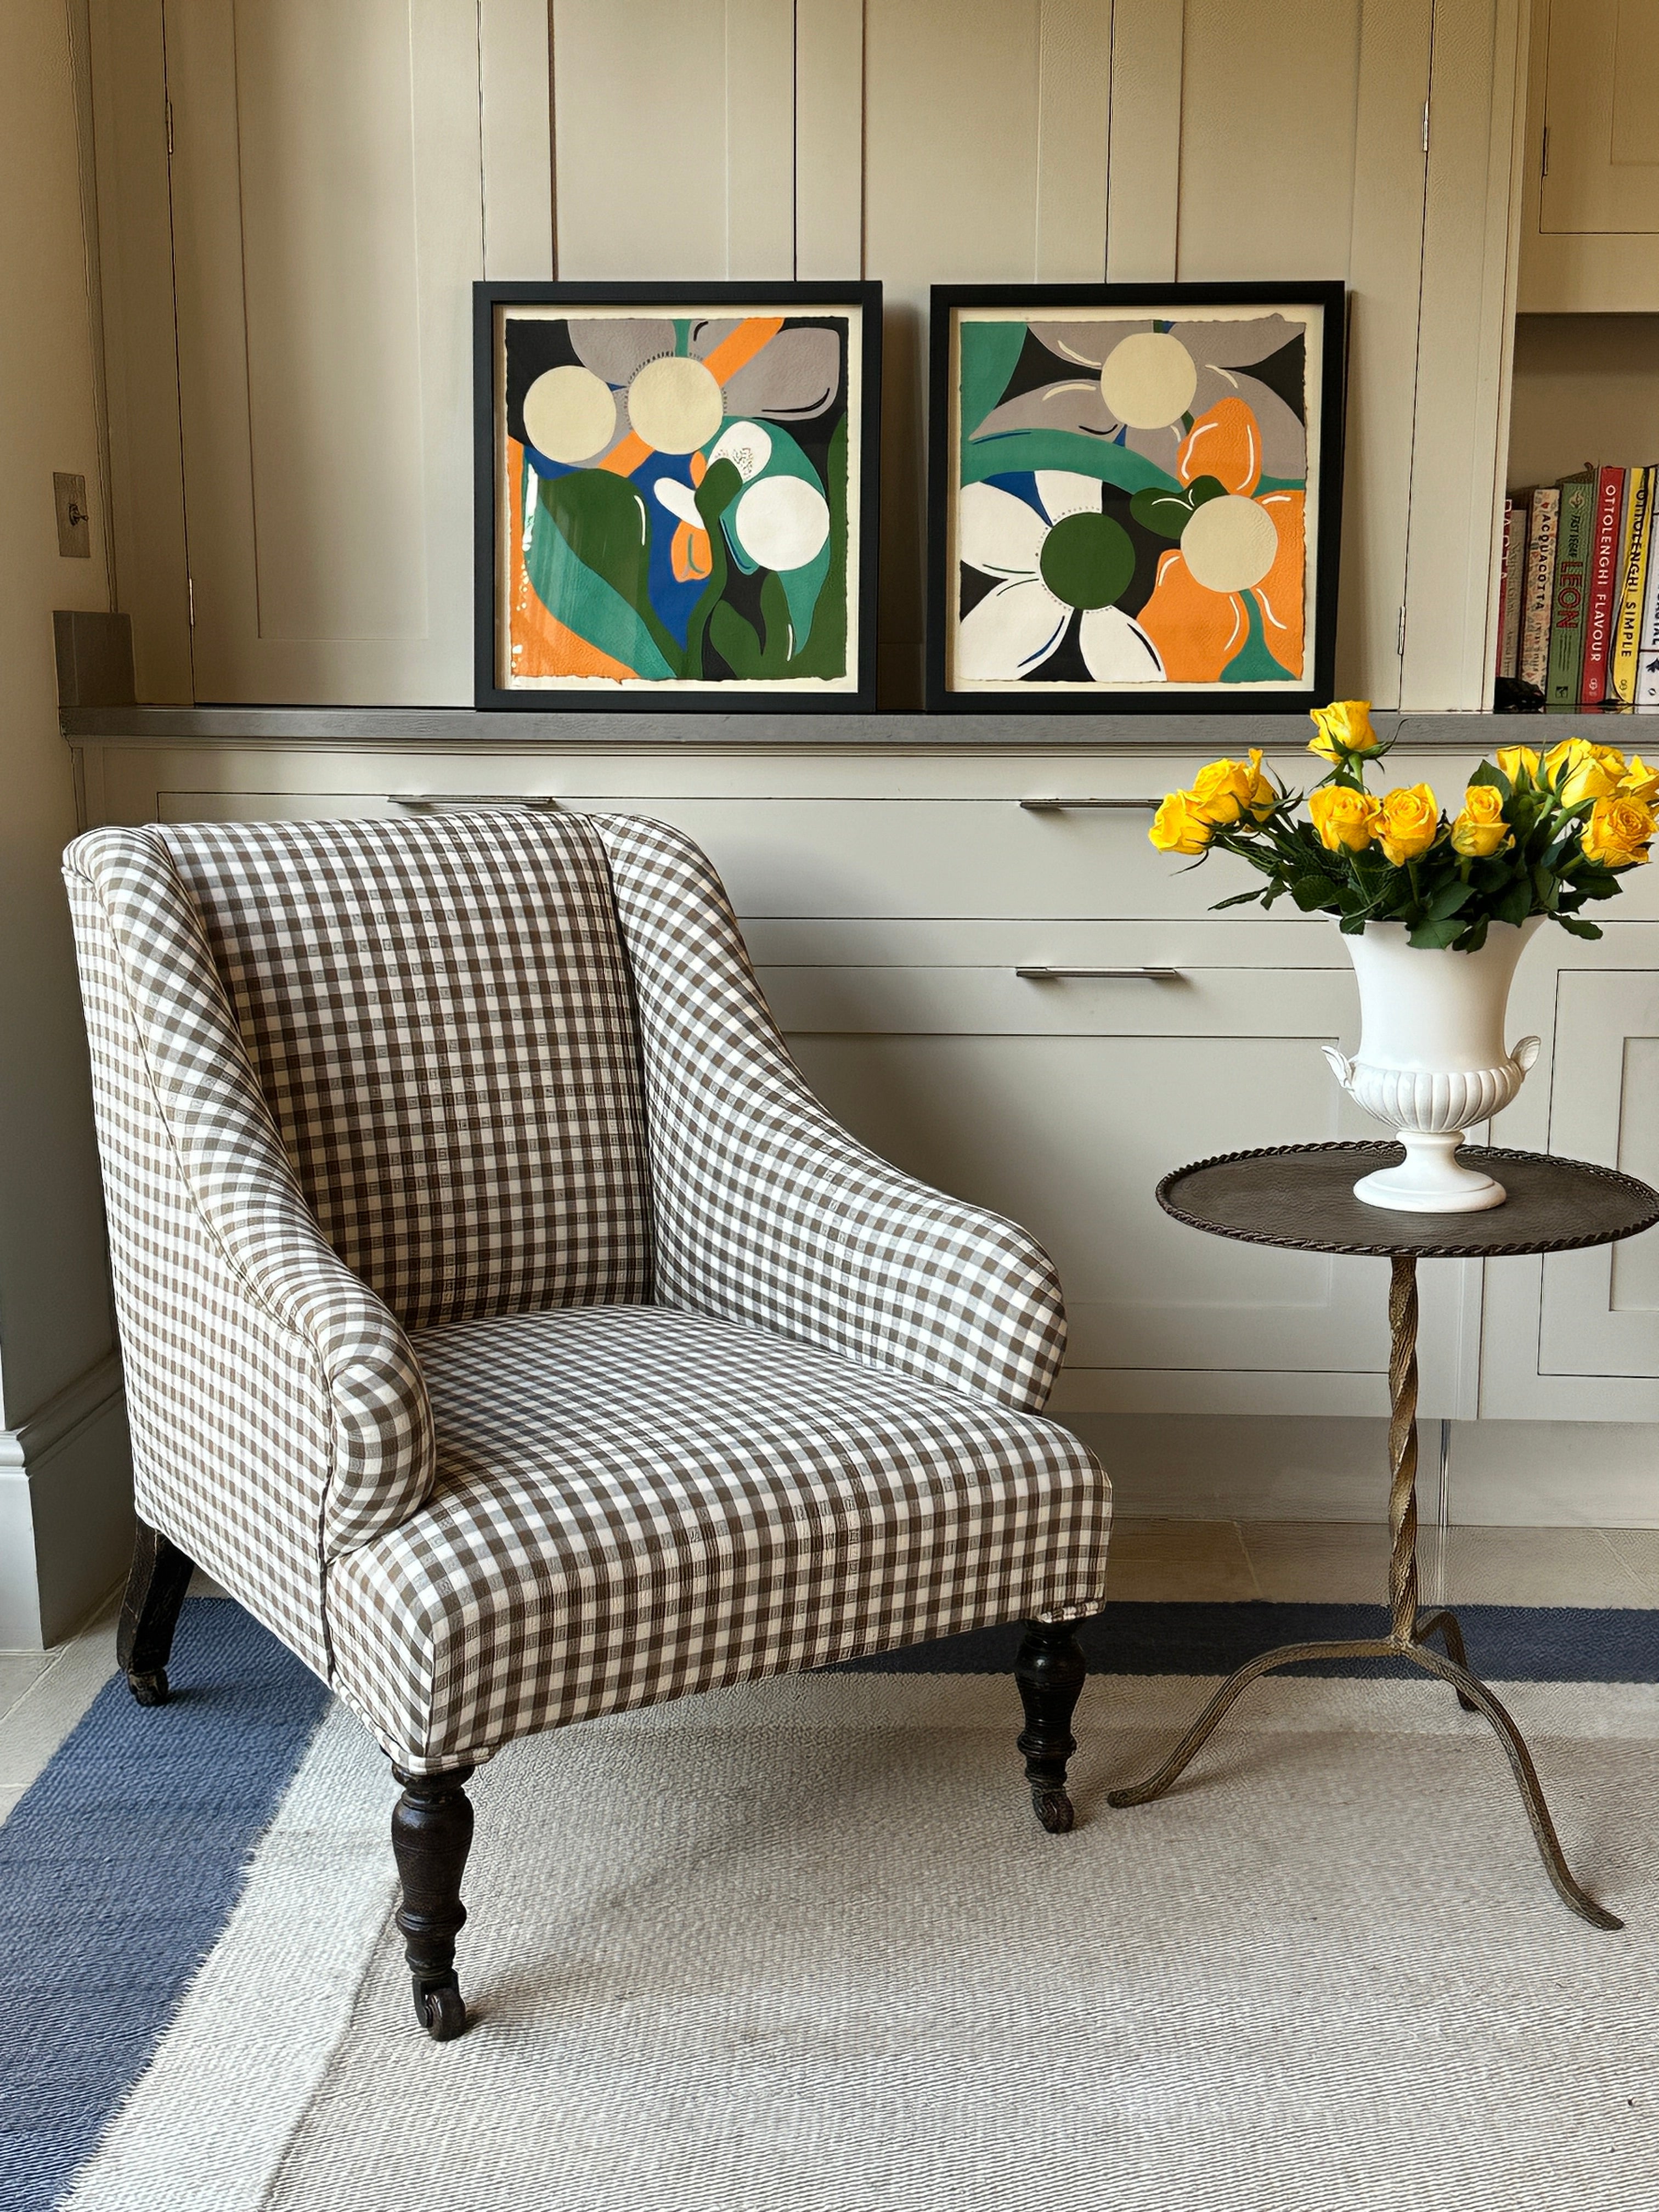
{"x": 855, "y": 691}
{"x": 1161, "y": 303}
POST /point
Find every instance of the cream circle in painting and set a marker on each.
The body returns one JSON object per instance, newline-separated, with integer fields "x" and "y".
{"x": 674, "y": 403}
{"x": 569, "y": 414}
{"x": 1230, "y": 544}
{"x": 1148, "y": 379}
{"x": 782, "y": 522}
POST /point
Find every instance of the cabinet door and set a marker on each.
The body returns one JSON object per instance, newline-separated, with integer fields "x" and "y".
{"x": 1601, "y": 172}
{"x": 1601, "y": 1307}
{"x": 1061, "y": 1105}
{"x": 328, "y": 221}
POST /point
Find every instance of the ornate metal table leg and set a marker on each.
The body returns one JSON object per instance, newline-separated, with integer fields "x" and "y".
{"x": 1408, "y": 1629}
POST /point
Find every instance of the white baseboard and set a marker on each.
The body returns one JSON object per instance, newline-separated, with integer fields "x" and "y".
{"x": 65, "y": 1508}
{"x": 1546, "y": 1474}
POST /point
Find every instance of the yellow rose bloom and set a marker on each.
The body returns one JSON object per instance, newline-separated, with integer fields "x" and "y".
{"x": 1264, "y": 797}
{"x": 1619, "y": 832}
{"x": 1481, "y": 829}
{"x": 1221, "y": 792}
{"x": 1178, "y": 827}
{"x": 1581, "y": 770}
{"x": 1410, "y": 822}
{"x": 1343, "y": 728}
{"x": 1639, "y": 780}
{"x": 1518, "y": 763}
{"x": 1346, "y": 820}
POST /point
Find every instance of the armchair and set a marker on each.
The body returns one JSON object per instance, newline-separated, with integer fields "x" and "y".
{"x": 510, "y": 1330}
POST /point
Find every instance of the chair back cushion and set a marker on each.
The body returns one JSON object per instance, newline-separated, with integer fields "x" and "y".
{"x": 440, "y": 1016}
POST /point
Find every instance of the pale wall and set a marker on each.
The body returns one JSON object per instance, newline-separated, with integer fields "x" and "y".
{"x": 55, "y": 1326}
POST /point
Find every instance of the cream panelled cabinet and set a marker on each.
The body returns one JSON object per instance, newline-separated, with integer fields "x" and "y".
{"x": 891, "y": 900}
{"x": 340, "y": 173}
{"x": 1591, "y": 223}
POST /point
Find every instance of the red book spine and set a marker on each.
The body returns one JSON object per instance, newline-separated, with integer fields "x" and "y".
{"x": 1604, "y": 582}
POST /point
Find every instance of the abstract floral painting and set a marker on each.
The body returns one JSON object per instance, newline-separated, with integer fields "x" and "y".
{"x": 676, "y": 495}
{"x": 1135, "y": 495}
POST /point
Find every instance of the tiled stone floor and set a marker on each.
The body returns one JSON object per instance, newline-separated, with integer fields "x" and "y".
{"x": 44, "y": 1693}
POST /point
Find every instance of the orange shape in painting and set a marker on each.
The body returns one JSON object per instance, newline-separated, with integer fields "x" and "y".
{"x": 1225, "y": 442}
{"x": 539, "y": 643}
{"x": 1196, "y": 632}
{"x": 689, "y": 553}
{"x": 1281, "y": 595}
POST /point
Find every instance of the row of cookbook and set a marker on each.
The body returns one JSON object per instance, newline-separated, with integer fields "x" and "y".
{"x": 1578, "y": 610}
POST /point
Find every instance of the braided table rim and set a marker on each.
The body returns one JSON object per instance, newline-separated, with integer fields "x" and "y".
{"x": 1381, "y": 1150}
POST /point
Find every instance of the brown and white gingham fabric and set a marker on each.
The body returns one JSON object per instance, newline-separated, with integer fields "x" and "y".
{"x": 765, "y": 1210}
{"x": 435, "y": 1040}
{"x": 635, "y": 1503}
{"x": 437, "y": 1012}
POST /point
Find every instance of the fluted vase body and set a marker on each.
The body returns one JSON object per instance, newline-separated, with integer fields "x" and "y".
{"x": 1431, "y": 1062}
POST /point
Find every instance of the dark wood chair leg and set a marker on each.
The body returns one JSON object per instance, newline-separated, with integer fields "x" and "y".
{"x": 1050, "y": 1671}
{"x": 431, "y": 1835}
{"x": 149, "y": 1612}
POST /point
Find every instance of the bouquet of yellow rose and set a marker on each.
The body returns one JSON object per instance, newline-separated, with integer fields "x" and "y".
{"x": 1534, "y": 835}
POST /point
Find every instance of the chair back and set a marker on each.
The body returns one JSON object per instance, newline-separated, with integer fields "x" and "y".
{"x": 440, "y": 1016}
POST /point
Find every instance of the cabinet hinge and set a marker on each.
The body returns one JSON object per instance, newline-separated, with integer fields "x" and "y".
{"x": 1400, "y": 636}
{"x": 1544, "y": 169}
{"x": 1426, "y": 126}
{"x": 190, "y": 587}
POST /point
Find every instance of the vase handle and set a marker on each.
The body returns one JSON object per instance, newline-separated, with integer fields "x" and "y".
{"x": 1342, "y": 1066}
{"x": 1525, "y": 1053}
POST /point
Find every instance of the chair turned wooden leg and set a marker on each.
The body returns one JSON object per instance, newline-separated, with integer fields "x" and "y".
{"x": 156, "y": 1584}
{"x": 431, "y": 1835}
{"x": 1050, "y": 1671}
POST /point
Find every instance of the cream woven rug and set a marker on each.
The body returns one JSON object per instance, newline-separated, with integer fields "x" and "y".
{"x": 800, "y": 1948}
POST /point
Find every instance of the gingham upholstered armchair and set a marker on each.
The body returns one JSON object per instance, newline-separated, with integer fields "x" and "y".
{"x": 509, "y": 1329}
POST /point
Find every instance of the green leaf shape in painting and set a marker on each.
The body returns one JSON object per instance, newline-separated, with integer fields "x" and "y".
{"x": 735, "y": 640}
{"x": 1168, "y": 513}
{"x": 607, "y": 525}
{"x": 1253, "y": 663}
{"x": 1062, "y": 449}
{"x": 719, "y": 487}
{"x": 988, "y": 354}
{"x": 822, "y": 652}
{"x": 583, "y": 602}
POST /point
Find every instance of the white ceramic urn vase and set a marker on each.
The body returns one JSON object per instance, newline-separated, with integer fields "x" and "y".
{"x": 1431, "y": 1061}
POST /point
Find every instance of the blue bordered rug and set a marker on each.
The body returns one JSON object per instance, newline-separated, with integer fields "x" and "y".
{"x": 248, "y": 1818}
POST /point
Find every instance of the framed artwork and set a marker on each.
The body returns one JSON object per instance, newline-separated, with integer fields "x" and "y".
{"x": 1134, "y": 496}
{"x": 676, "y": 495}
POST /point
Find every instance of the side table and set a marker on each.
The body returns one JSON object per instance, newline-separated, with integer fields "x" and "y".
{"x": 1301, "y": 1197}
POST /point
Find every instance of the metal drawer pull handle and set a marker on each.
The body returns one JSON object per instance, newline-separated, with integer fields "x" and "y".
{"x": 1069, "y": 805}
{"x": 1113, "y": 974}
{"x": 539, "y": 800}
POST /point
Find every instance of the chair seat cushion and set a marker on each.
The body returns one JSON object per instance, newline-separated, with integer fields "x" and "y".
{"x": 635, "y": 1503}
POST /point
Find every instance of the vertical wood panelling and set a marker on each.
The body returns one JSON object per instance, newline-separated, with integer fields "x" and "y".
{"x": 1143, "y": 218}
{"x": 515, "y": 102}
{"x": 674, "y": 125}
{"x": 760, "y": 137}
{"x": 146, "y": 481}
{"x": 1266, "y": 203}
{"x": 951, "y": 169}
{"x": 1468, "y": 260}
{"x": 1074, "y": 87}
{"x": 323, "y": 275}
{"x": 828, "y": 138}
{"x": 1385, "y": 275}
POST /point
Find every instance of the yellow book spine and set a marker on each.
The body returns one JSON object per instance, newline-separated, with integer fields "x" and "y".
{"x": 1627, "y": 626}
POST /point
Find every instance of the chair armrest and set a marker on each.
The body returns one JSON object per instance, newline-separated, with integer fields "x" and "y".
{"x": 255, "y": 1357}
{"x": 766, "y": 1210}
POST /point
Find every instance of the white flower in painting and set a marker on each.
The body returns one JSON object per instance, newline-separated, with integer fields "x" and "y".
{"x": 1070, "y": 556}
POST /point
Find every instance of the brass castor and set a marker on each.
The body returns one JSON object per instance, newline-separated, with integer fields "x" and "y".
{"x": 440, "y": 2007}
{"x": 1053, "y": 1808}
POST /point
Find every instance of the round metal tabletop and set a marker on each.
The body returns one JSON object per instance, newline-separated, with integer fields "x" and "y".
{"x": 1301, "y": 1197}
